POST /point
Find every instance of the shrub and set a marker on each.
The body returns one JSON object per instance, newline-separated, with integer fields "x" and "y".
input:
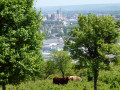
{"x": 70, "y": 72}
{"x": 108, "y": 78}
{"x": 114, "y": 84}
{"x": 52, "y": 76}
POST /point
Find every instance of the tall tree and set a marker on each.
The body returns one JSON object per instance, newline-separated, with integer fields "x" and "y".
{"x": 62, "y": 61}
{"x": 92, "y": 41}
{"x": 20, "y": 41}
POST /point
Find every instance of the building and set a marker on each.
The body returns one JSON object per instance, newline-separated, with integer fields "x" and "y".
{"x": 48, "y": 16}
{"x": 59, "y": 14}
{"x": 51, "y": 45}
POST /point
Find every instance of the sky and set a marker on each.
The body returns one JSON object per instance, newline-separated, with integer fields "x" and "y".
{"x": 44, "y": 3}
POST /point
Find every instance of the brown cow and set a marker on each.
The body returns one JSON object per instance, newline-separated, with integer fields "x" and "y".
{"x": 75, "y": 78}
{"x": 60, "y": 80}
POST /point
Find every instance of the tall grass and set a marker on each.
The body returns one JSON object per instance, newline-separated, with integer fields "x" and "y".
{"x": 107, "y": 80}
{"x": 48, "y": 85}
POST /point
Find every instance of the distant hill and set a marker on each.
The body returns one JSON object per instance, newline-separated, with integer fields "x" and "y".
{"x": 89, "y": 7}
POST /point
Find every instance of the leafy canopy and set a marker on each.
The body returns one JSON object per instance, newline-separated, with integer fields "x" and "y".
{"x": 20, "y": 41}
{"x": 92, "y": 41}
{"x": 62, "y": 61}
{"x": 95, "y": 37}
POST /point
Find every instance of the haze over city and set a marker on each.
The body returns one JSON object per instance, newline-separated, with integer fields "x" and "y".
{"x": 44, "y": 3}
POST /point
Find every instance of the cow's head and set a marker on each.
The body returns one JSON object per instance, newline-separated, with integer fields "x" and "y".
{"x": 68, "y": 78}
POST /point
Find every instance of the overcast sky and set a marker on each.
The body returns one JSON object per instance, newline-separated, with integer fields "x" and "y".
{"x": 43, "y": 3}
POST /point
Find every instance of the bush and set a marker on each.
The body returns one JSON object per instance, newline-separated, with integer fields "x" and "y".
{"x": 109, "y": 77}
{"x": 82, "y": 72}
{"x": 52, "y": 76}
{"x": 114, "y": 84}
{"x": 70, "y": 72}
{"x": 89, "y": 74}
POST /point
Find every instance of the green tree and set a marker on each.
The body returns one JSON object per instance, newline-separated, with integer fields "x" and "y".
{"x": 118, "y": 23}
{"x": 62, "y": 60}
{"x": 92, "y": 41}
{"x": 20, "y": 41}
{"x": 49, "y": 68}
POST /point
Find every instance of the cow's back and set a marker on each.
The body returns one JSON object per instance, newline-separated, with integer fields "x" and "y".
{"x": 56, "y": 80}
{"x": 60, "y": 80}
{"x": 75, "y": 78}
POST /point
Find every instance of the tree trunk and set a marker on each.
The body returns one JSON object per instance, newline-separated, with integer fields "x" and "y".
{"x": 63, "y": 74}
{"x": 95, "y": 78}
{"x": 3, "y": 87}
{"x": 34, "y": 79}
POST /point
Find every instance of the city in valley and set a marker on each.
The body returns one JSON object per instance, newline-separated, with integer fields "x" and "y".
{"x": 57, "y": 21}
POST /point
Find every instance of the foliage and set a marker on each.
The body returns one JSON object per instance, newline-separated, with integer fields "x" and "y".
{"x": 62, "y": 61}
{"x": 47, "y": 35}
{"x": 92, "y": 41}
{"x": 114, "y": 84}
{"x": 47, "y": 84}
{"x": 21, "y": 41}
{"x": 52, "y": 22}
{"x": 118, "y": 23}
{"x": 67, "y": 28}
{"x": 53, "y": 75}
{"x": 116, "y": 61}
{"x": 70, "y": 72}
{"x": 106, "y": 77}
{"x": 56, "y": 28}
{"x": 49, "y": 67}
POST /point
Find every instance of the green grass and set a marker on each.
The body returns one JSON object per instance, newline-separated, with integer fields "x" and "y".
{"x": 107, "y": 80}
{"x": 48, "y": 85}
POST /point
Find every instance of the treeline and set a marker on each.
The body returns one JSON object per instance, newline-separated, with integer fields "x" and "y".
{"x": 52, "y": 22}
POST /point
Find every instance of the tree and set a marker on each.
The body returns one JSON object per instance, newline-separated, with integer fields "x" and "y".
{"x": 50, "y": 67}
{"x": 117, "y": 23}
{"x": 92, "y": 41}
{"x": 62, "y": 61}
{"x": 20, "y": 41}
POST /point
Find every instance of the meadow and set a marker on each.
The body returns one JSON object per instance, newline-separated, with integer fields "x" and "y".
{"x": 107, "y": 80}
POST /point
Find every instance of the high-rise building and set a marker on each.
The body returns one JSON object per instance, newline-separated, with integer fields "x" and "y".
{"x": 48, "y": 16}
{"x": 59, "y": 14}
{"x": 54, "y": 16}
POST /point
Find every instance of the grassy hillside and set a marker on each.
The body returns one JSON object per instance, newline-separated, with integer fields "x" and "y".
{"x": 108, "y": 80}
